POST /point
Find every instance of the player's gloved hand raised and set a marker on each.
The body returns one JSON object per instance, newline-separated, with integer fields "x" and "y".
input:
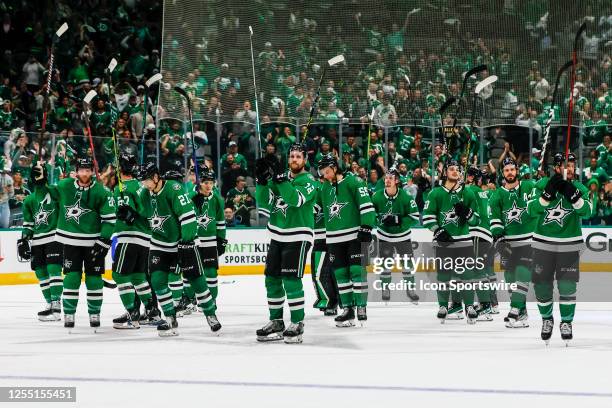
{"x": 100, "y": 248}
{"x": 550, "y": 191}
{"x": 569, "y": 191}
{"x": 187, "y": 258}
{"x": 463, "y": 212}
{"x": 38, "y": 172}
{"x": 126, "y": 214}
{"x": 23, "y": 249}
{"x": 390, "y": 220}
{"x": 442, "y": 236}
{"x": 281, "y": 177}
{"x": 364, "y": 233}
{"x": 263, "y": 171}
{"x": 502, "y": 247}
{"x": 221, "y": 244}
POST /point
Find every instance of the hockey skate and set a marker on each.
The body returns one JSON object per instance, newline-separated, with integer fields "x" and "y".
{"x": 94, "y": 322}
{"x": 192, "y": 307}
{"x": 69, "y": 321}
{"x": 272, "y": 331}
{"x": 386, "y": 294}
{"x": 566, "y": 332}
{"x": 471, "y": 314}
{"x": 484, "y": 312}
{"x": 362, "y": 315}
{"x": 293, "y": 334}
{"x": 128, "y": 320}
{"x": 330, "y": 311}
{"x": 347, "y": 318}
{"x": 455, "y": 312}
{"x": 442, "y": 313}
{"x": 48, "y": 314}
{"x": 547, "y": 329}
{"x": 412, "y": 295}
{"x": 185, "y": 305}
{"x": 179, "y": 308}
{"x": 494, "y": 309}
{"x": 213, "y": 322}
{"x": 151, "y": 316}
{"x": 168, "y": 327}
{"x": 517, "y": 318}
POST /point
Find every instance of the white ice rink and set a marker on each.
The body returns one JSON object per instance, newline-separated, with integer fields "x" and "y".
{"x": 403, "y": 357}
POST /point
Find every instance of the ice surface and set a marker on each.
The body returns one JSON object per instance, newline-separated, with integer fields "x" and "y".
{"x": 404, "y": 356}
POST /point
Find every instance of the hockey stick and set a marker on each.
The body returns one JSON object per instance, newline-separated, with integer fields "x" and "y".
{"x": 571, "y": 101}
{"x": 86, "y": 101}
{"x": 60, "y": 31}
{"x": 110, "y": 69}
{"x": 466, "y": 78}
{"x": 551, "y": 114}
{"x": 257, "y": 131}
{"x": 370, "y": 117}
{"x": 154, "y": 79}
{"x": 330, "y": 63}
{"x": 185, "y": 95}
{"x": 441, "y": 111}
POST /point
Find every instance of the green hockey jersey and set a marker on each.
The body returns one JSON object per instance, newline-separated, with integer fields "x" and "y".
{"x": 40, "y": 215}
{"x": 509, "y": 215}
{"x": 483, "y": 229}
{"x": 171, "y": 216}
{"x": 559, "y": 222}
{"x": 86, "y": 213}
{"x": 319, "y": 217}
{"x": 210, "y": 217}
{"x": 347, "y": 206}
{"x": 289, "y": 206}
{"x": 439, "y": 212}
{"x": 402, "y": 205}
{"x": 140, "y": 232}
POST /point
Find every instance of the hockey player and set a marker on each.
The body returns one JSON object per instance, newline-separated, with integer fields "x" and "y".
{"x": 349, "y": 218}
{"x": 289, "y": 198}
{"x": 557, "y": 242}
{"x": 211, "y": 226}
{"x": 448, "y": 212}
{"x": 483, "y": 241}
{"x": 132, "y": 252}
{"x": 173, "y": 232}
{"x": 323, "y": 278}
{"x": 40, "y": 215}
{"x": 85, "y": 226}
{"x": 512, "y": 227}
{"x": 397, "y": 214}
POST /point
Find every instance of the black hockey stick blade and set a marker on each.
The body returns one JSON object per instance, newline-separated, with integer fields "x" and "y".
{"x": 474, "y": 71}
{"x": 181, "y": 91}
{"x": 579, "y": 34}
{"x": 446, "y": 104}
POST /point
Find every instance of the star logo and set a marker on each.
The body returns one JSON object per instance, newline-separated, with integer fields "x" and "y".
{"x": 335, "y": 208}
{"x": 157, "y": 221}
{"x": 450, "y": 217}
{"x": 42, "y": 216}
{"x": 556, "y": 214}
{"x": 204, "y": 220}
{"x": 514, "y": 214}
{"x": 280, "y": 206}
{"x": 75, "y": 211}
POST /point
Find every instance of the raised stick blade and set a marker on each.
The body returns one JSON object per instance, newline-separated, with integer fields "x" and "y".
{"x": 579, "y": 34}
{"x": 336, "y": 60}
{"x": 414, "y": 11}
{"x": 90, "y": 95}
{"x": 251, "y": 30}
{"x": 61, "y": 30}
{"x": 446, "y": 104}
{"x": 112, "y": 65}
{"x": 155, "y": 78}
{"x": 407, "y": 80}
{"x": 474, "y": 71}
{"x": 180, "y": 91}
{"x": 484, "y": 83}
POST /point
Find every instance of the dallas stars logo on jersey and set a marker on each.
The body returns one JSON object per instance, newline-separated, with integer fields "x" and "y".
{"x": 335, "y": 208}
{"x": 157, "y": 221}
{"x": 75, "y": 211}
{"x": 204, "y": 220}
{"x": 450, "y": 217}
{"x": 280, "y": 206}
{"x": 514, "y": 214}
{"x": 556, "y": 214}
{"x": 42, "y": 216}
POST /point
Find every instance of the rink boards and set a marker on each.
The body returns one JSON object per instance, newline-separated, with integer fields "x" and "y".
{"x": 246, "y": 253}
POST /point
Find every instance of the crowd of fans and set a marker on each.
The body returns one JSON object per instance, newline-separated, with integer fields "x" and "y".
{"x": 400, "y": 66}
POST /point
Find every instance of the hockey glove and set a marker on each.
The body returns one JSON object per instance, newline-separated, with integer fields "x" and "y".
{"x": 364, "y": 233}
{"x": 221, "y": 244}
{"x": 263, "y": 171}
{"x": 463, "y": 212}
{"x": 569, "y": 191}
{"x": 442, "y": 236}
{"x": 100, "y": 248}
{"x": 126, "y": 214}
{"x": 188, "y": 259}
{"x": 38, "y": 173}
{"x": 23, "y": 249}
{"x": 281, "y": 177}
{"x": 502, "y": 247}
{"x": 390, "y": 220}
{"x": 550, "y": 191}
